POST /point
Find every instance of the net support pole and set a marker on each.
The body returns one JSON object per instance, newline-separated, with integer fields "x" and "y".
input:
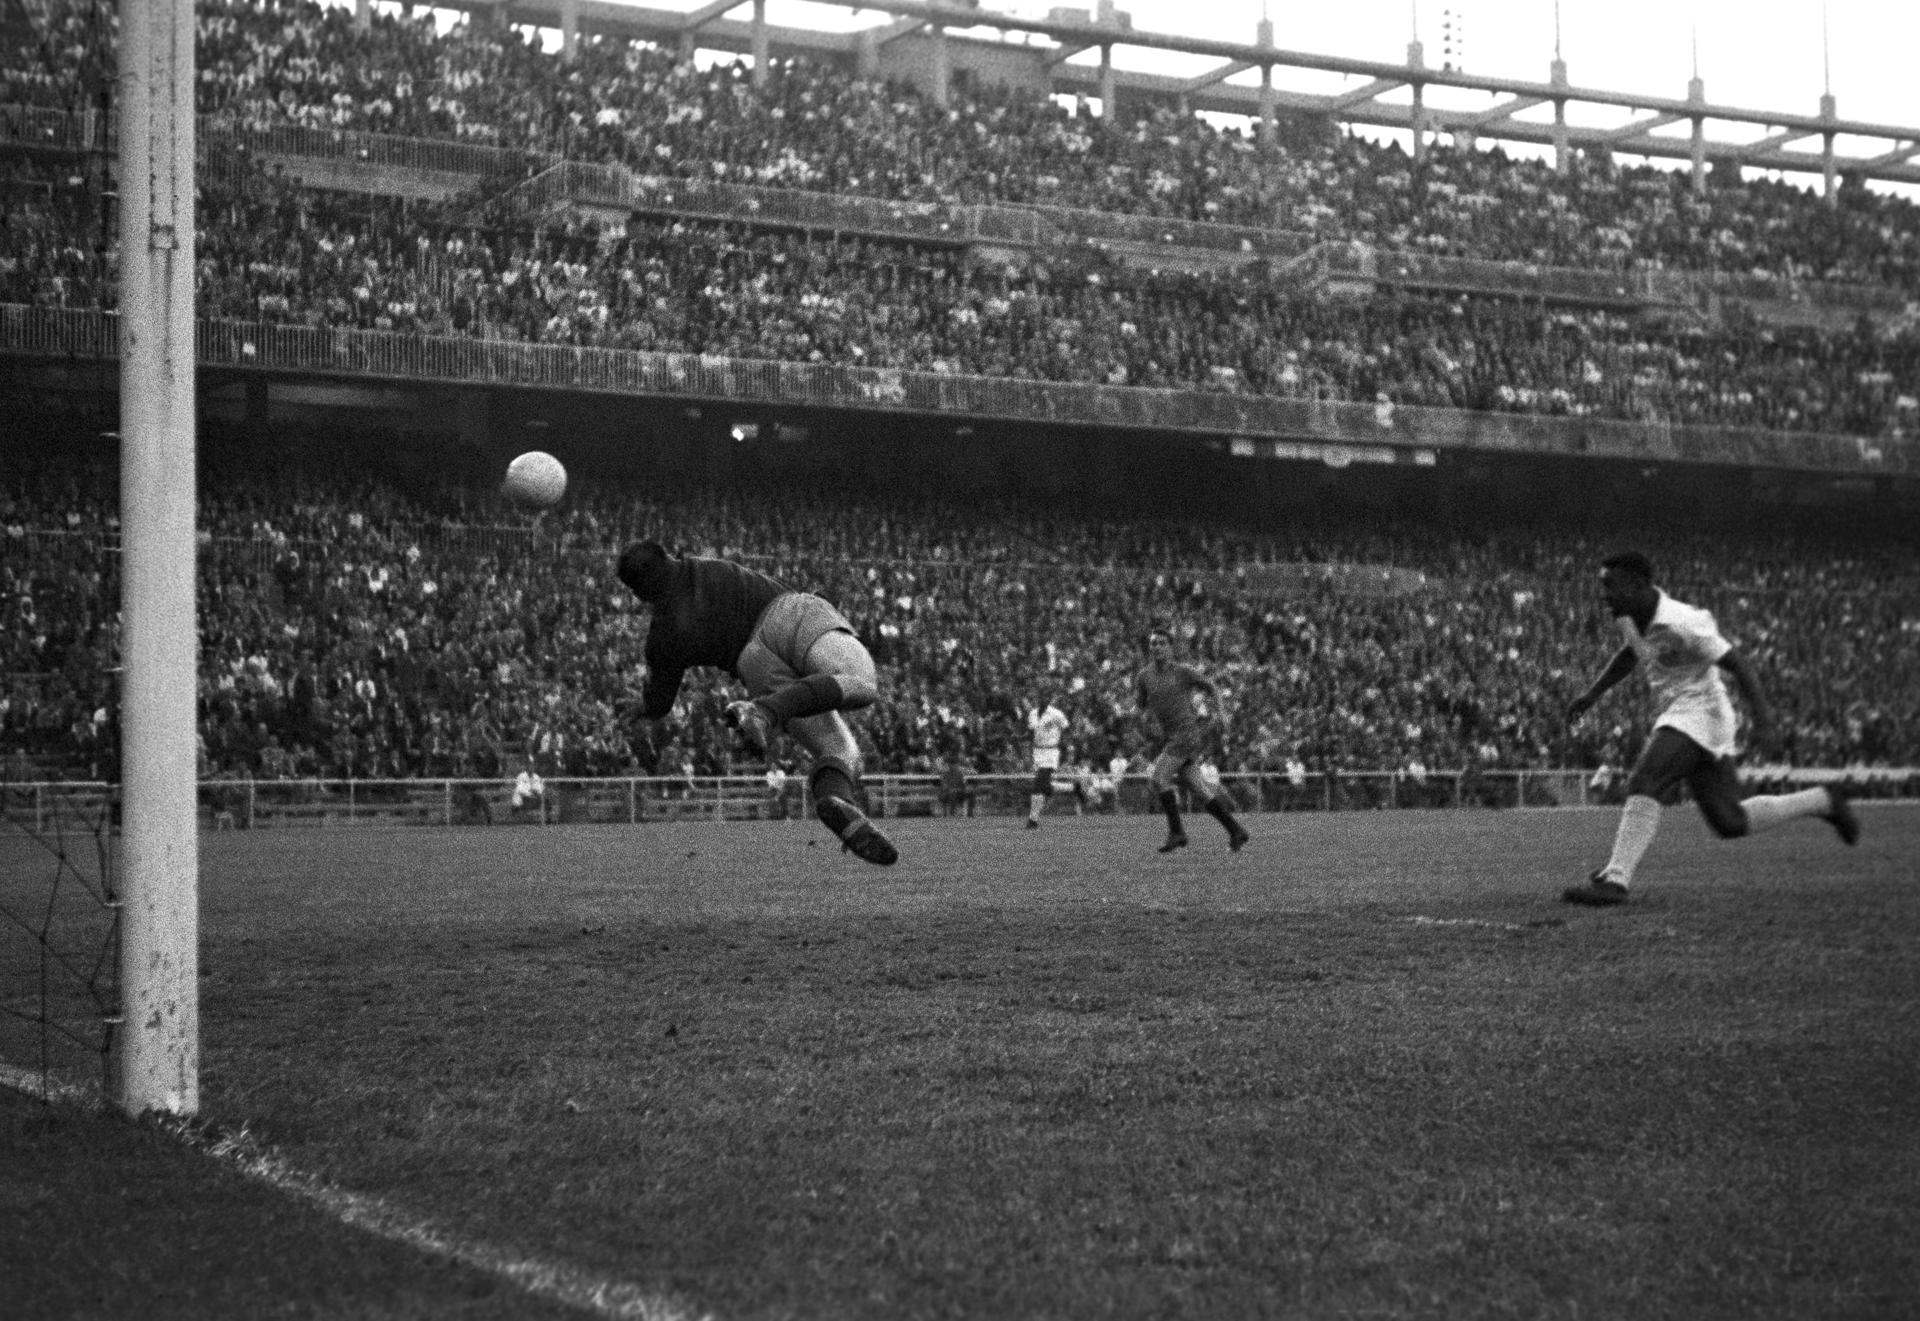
{"x": 157, "y": 1048}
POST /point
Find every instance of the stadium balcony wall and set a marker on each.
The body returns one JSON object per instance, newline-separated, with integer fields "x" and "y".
{"x": 1244, "y": 426}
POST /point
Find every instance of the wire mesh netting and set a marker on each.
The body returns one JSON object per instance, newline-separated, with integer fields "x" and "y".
{"x": 59, "y": 933}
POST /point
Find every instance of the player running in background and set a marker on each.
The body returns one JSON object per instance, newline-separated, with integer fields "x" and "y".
{"x": 797, "y": 655}
{"x": 1047, "y": 723}
{"x": 1693, "y": 740}
{"x": 1167, "y": 689}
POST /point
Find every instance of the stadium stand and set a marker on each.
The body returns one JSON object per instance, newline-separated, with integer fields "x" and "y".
{"x": 811, "y": 125}
{"x": 277, "y": 254}
{"x": 357, "y": 629}
{"x": 349, "y": 631}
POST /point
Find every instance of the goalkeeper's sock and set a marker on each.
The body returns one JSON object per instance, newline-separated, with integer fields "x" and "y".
{"x": 1767, "y": 810}
{"x": 830, "y": 781}
{"x": 1639, "y": 819}
{"x": 803, "y": 697}
{"x": 1219, "y": 809}
{"x": 1035, "y": 802}
{"x": 1170, "y": 804}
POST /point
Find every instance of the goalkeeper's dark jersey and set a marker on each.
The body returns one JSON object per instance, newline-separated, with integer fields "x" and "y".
{"x": 706, "y": 617}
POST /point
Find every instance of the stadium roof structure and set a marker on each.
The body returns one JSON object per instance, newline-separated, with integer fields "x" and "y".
{"x": 943, "y": 36}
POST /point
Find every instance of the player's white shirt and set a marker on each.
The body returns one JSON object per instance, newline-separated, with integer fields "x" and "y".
{"x": 526, "y": 787}
{"x": 1048, "y": 724}
{"x": 1680, "y": 652}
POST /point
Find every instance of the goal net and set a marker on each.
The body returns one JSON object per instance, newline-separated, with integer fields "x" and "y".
{"x": 59, "y": 937}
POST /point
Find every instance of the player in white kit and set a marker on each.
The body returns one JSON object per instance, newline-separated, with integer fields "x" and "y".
{"x": 1048, "y": 724}
{"x": 1694, "y": 736}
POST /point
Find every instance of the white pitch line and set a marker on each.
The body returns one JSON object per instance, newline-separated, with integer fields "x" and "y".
{"x": 1423, "y": 921}
{"x": 569, "y": 1285}
{"x": 56, "y": 1089}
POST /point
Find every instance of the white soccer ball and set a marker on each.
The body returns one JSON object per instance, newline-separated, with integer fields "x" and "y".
{"x": 535, "y": 479}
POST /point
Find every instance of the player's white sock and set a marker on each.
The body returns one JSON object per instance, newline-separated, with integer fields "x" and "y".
{"x": 1768, "y": 810}
{"x": 1034, "y": 803}
{"x": 1639, "y": 819}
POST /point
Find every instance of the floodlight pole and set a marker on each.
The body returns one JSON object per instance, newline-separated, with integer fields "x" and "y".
{"x": 157, "y": 1047}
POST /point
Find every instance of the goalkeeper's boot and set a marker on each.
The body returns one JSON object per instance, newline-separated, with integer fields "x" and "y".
{"x": 751, "y": 721}
{"x": 1176, "y": 839}
{"x": 1841, "y": 816}
{"x": 1237, "y": 839}
{"x": 1600, "y": 891}
{"x": 858, "y": 835}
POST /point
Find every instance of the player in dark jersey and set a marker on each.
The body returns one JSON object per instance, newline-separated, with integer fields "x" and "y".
{"x": 1166, "y": 689}
{"x": 797, "y": 655}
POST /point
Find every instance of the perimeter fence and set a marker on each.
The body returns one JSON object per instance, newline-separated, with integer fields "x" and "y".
{"x": 249, "y": 804}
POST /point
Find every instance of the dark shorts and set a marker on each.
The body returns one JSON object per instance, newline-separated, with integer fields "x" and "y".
{"x": 1185, "y": 749}
{"x": 1671, "y": 759}
{"x": 1192, "y": 742}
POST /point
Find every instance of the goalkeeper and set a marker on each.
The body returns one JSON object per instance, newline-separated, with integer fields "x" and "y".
{"x": 797, "y": 655}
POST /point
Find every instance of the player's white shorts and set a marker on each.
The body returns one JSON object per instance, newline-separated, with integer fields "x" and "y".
{"x": 1718, "y": 731}
{"x": 1046, "y": 759}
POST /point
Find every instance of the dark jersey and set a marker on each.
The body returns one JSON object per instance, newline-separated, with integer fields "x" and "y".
{"x": 705, "y": 618}
{"x": 1167, "y": 694}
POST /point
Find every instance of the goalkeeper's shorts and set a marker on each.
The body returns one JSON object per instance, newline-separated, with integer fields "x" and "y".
{"x": 776, "y": 654}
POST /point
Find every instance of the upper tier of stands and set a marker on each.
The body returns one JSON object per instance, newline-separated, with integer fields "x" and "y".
{"x": 814, "y": 126}
{"x": 274, "y": 253}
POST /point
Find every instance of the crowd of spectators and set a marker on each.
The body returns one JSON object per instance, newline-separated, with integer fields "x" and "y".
{"x": 278, "y": 254}
{"x": 350, "y": 632}
{"x": 54, "y": 251}
{"x": 1076, "y": 315}
{"x": 814, "y": 125}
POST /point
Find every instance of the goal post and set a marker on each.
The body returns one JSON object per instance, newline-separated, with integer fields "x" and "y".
{"x": 157, "y": 1045}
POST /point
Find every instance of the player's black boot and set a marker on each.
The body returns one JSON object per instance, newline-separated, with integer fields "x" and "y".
{"x": 1176, "y": 833}
{"x": 1841, "y": 816}
{"x": 1600, "y": 891}
{"x": 1237, "y": 835}
{"x": 860, "y": 836}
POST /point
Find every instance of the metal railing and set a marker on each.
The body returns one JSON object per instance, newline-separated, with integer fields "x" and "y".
{"x": 1621, "y": 287}
{"x": 615, "y": 187}
{"x": 279, "y": 804}
{"x": 47, "y": 129}
{"x": 479, "y": 160}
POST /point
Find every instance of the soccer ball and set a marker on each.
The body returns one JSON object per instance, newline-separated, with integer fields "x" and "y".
{"x": 535, "y": 479}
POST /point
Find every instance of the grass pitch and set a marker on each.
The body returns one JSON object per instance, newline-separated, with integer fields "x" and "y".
{"x": 1369, "y": 1067}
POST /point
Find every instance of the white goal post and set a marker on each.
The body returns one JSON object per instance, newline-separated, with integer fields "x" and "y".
{"x": 157, "y": 1045}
